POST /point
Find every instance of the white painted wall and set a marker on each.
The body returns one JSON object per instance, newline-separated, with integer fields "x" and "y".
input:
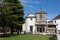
{"x": 28, "y": 23}
{"x": 58, "y": 23}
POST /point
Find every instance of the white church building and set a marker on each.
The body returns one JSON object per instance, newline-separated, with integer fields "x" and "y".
{"x": 37, "y": 23}
{"x": 29, "y": 24}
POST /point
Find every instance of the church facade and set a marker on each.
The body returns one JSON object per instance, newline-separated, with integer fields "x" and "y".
{"x": 37, "y": 24}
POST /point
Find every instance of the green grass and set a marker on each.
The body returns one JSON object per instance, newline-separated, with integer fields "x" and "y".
{"x": 26, "y": 37}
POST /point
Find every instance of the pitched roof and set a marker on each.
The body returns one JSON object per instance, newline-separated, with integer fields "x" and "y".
{"x": 31, "y": 15}
{"x": 57, "y": 17}
{"x": 41, "y": 11}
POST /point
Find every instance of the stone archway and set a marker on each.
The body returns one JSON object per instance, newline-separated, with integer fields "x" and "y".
{"x": 40, "y": 29}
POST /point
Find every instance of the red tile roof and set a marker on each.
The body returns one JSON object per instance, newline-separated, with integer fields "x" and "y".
{"x": 57, "y": 17}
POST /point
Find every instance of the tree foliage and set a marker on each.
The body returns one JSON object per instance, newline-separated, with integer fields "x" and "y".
{"x": 12, "y": 13}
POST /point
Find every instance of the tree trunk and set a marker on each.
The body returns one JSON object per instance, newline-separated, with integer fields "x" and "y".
{"x": 5, "y": 31}
{"x": 18, "y": 30}
{"x": 11, "y": 30}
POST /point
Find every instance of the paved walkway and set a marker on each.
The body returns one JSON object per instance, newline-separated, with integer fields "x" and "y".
{"x": 58, "y": 36}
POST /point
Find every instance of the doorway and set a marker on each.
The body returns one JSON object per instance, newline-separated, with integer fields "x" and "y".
{"x": 40, "y": 29}
{"x": 31, "y": 28}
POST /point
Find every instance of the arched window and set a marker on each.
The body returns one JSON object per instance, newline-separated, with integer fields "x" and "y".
{"x": 55, "y": 21}
{"x": 31, "y": 18}
{"x": 41, "y": 16}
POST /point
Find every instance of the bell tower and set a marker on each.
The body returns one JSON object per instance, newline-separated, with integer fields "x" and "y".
{"x": 41, "y": 21}
{"x": 41, "y": 17}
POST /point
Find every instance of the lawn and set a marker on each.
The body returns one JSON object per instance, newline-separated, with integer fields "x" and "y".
{"x": 26, "y": 37}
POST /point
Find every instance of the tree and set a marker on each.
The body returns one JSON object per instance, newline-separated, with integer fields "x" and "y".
{"x": 13, "y": 13}
{"x": 4, "y": 18}
{"x": 18, "y": 13}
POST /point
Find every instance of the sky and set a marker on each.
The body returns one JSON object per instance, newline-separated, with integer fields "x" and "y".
{"x": 51, "y": 7}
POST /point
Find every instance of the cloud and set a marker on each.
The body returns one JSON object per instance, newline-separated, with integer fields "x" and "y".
{"x": 36, "y": 2}
{"x": 24, "y": 1}
{"x": 29, "y": 6}
{"x": 30, "y": 2}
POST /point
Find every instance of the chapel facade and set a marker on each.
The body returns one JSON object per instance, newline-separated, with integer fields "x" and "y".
{"x": 37, "y": 24}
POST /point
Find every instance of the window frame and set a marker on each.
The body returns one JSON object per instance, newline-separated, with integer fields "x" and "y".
{"x": 31, "y": 28}
{"x": 31, "y": 18}
{"x": 41, "y": 16}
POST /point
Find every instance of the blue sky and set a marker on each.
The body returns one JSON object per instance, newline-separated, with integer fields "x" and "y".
{"x": 52, "y": 7}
